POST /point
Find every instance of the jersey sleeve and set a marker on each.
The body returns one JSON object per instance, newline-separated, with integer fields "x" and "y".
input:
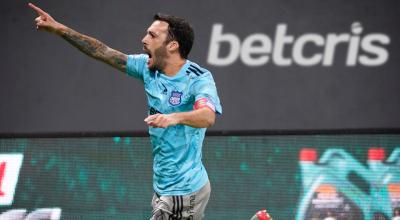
{"x": 136, "y": 64}
{"x": 205, "y": 91}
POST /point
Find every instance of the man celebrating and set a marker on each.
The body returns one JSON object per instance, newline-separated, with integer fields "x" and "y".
{"x": 182, "y": 100}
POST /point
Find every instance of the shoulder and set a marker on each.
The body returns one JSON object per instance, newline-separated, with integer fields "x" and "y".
{"x": 201, "y": 79}
{"x": 136, "y": 65}
{"x": 138, "y": 57}
{"x": 196, "y": 72}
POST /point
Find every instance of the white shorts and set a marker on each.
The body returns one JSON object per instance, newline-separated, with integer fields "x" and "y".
{"x": 190, "y": 206}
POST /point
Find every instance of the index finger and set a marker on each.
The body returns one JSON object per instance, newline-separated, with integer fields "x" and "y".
{"x": 150, "y": 118}
{"x": 37, "y": 9}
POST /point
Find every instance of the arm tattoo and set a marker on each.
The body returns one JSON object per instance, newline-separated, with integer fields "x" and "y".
{"x": 96, "y": 49}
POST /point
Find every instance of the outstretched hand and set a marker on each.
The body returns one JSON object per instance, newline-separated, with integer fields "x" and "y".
{"x": 44, "y": 21}
{"x": 161, "y": 120}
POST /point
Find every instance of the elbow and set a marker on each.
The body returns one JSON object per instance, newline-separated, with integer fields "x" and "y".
{"x": 210, "y": 121}
{"x": 206, "y": 118}
{"x": 209, "y": 124}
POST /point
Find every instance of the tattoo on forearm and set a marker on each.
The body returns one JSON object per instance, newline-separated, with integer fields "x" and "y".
{"x": 118, "y": 58}
{"x": 96, "y": 49}
{"x": 85, "y": 44}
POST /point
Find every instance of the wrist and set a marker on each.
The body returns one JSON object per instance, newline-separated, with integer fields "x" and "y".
{"x": 176, "y": 119}
{"x": 59, "y": 29}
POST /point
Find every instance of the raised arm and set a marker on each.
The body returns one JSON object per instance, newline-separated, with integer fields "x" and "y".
{"x": 88, "y": 45}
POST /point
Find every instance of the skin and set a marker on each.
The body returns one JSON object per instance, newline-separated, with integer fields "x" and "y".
{"x": 164, "y": 55}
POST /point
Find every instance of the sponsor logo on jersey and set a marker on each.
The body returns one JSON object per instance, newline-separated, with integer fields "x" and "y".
{"x": 154, "y": 111}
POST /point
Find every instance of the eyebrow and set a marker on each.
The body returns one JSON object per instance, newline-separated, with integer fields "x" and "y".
{"x": 152, "y": 33}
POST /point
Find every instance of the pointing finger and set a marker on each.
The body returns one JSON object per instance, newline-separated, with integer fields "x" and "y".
{"x": 37, "y": 9}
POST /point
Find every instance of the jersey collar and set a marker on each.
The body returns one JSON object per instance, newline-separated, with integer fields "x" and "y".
{"x": 180, "y": 73}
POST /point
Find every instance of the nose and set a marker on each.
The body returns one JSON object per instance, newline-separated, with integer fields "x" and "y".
{"x": 144, "y": 40}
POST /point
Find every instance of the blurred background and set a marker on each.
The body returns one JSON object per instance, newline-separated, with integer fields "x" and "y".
{"x": 291, "y": 75}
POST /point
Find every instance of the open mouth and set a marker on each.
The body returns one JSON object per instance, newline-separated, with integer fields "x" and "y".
{"x": 150, "y": 60}
{"x": 149, "y": 54}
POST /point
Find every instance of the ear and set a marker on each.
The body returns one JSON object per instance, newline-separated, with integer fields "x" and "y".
{"x": 173, "y": 46}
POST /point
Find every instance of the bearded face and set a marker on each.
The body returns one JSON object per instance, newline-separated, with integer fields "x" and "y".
{"x": 157, "y": 58}
{"x": 155, "y": 45}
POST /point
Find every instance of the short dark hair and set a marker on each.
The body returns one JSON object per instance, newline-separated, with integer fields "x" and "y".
{"x": 180, "y": 30}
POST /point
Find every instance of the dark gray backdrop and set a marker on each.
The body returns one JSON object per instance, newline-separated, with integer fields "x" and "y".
{"x": 48, "y": 86}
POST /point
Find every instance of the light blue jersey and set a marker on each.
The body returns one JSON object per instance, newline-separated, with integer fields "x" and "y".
{"x": 177, "y": 165}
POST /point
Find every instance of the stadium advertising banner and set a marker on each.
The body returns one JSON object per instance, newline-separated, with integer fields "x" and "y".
{"x": 278, "y": 65}
{"x": 298, "y": 177}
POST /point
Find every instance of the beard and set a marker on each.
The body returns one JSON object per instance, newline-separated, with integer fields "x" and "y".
{"x": 158, "y": 59}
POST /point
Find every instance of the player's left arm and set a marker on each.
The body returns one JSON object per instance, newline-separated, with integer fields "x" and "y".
{"x": 205, "y": 107}
{"x": 198, "y": 118}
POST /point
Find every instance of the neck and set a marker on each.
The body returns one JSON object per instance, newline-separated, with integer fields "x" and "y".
{"x": 173, "y": 65}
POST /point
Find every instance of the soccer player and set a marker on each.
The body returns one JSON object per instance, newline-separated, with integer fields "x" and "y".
{"x": 182, "y": 101}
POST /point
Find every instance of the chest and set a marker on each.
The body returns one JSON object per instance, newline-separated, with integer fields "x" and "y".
{"x": 169, "y": 95}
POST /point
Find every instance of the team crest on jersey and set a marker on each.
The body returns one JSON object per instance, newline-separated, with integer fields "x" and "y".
{"x": 176, "y": 98}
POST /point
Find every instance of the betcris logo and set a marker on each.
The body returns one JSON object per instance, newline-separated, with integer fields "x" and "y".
{"x": 10, "y": 165}
{"x": 363, "y": 49}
